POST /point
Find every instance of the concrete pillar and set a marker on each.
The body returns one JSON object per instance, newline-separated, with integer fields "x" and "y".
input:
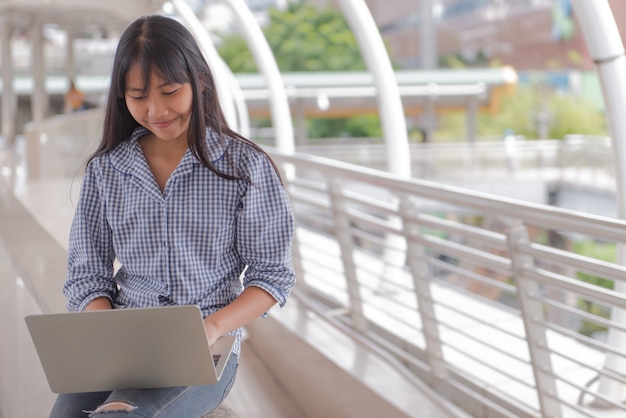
{"x": 70, "y": 64}
{"x": 69, "y": 55}
{"x": 39, "y": 101}
{"x": 9, "y": 104}
{"x": 471, "y": 124}
{"x": 300, "y": 122}
{"x": 430, "y": 119}
{"x": 427, "y": 35}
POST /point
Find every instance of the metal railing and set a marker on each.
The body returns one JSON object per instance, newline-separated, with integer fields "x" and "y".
{"x": 576, "y": 158}
{"x": 489, "y": 300}
{"x": 486, "y": 299}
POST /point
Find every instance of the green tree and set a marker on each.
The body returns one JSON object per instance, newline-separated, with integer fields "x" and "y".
{"x": 572, "y": 115}
{"x": 236, "y": 54}
{"x": 567, "y": 114}
{"x": 302, "y": 38}
{"x": 305, "y": 38}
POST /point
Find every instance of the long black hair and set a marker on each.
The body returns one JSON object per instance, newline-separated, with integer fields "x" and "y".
{"x": 161, "y": 45}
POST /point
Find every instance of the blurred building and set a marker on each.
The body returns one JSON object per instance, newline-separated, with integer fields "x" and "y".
{"x": 525, "y": 34}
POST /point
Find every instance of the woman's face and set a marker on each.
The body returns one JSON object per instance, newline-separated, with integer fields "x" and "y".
{"x": 164, "y": 108}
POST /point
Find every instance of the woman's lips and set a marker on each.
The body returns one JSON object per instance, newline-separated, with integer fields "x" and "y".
{"x": 162, "y": 125}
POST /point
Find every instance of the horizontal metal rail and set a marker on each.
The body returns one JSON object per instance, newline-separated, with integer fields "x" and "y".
{"x": 479, "y": 294}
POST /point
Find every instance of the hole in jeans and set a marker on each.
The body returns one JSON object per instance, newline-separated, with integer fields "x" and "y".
{"x": 114, "y": 406}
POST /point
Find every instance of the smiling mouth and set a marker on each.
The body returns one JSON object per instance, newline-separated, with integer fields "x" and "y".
{"x": 162, "y": 125}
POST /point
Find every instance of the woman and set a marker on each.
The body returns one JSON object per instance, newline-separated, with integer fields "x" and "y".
{"x": 184, "y": 204}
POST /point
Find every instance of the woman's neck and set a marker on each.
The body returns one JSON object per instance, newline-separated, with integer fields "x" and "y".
{"x": 162, "y": 156}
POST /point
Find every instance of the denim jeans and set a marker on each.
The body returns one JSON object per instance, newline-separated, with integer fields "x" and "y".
{"x": 175, "y": 402}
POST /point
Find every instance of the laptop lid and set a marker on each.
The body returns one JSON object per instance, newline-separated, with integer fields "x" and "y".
{"x": 127, "y": 349}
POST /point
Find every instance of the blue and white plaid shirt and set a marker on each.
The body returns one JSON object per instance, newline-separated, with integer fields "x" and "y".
{"x": 187, "y": 245}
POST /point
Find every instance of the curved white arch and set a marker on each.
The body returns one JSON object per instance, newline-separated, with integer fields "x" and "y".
{"x": 264, "y": 58}
{"x": 607, "y": 51}
{"x": 215, "y": 61}
{"x": 389, "y": 102}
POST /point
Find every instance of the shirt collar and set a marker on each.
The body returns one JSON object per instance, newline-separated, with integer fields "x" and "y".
{"x": 124, "y": 155}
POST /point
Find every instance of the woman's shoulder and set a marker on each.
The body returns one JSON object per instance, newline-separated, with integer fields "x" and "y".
{"x": 121, "y": 157}
{"x": 240, "y": 150}
{"x": 244, "y": 148}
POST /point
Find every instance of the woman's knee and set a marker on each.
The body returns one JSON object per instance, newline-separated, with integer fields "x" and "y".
{"x": 111, "y": 407}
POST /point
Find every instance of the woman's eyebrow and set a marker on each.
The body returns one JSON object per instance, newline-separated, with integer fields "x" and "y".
{"x": 166, "y": 84}
{"x": 141, "y": 89}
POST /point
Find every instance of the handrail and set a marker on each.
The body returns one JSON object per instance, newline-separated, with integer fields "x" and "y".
{"x": 481, "y": 279}
{"x": 541, "y": 215}
{"x": 484, "y": 280}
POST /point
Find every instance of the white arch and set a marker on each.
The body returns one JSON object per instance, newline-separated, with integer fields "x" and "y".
{"x": 389, "y": 102}
{"x": 218, "y": 67}
{"x": 606, "y": 48}
{"x": 264, "y": 58}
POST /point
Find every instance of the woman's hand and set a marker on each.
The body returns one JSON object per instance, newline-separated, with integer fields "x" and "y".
{"x": 212, "y": 333}
{"x": 251, "y": 304}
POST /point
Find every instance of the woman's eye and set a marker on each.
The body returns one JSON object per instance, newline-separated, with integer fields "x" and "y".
{"x": 136, "y": 95}
{"x": 170, "y": 93}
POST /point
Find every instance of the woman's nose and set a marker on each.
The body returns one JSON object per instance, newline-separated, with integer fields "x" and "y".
{"x": 156, "y": 107}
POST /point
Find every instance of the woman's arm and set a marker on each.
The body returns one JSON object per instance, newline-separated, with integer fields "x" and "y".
{"x": 90, "y": 253}
{"x": 265, "y": 228}
{"x": 252, "y": 303}
{"x": 99, "y": 304}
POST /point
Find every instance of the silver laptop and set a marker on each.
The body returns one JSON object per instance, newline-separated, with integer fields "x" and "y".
{"x": 127, "y": 349}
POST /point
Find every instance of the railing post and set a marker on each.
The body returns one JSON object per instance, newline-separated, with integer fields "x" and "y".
{"x": 534, "y": 320}
{"x": 296, "y": 253}
{"x": 344, "y": 238}
{"x": 417, "y": 258}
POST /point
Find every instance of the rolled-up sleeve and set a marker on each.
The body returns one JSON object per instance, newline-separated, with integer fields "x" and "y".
{"x": 265, "y": 228}
{"x": 90, "y": 252}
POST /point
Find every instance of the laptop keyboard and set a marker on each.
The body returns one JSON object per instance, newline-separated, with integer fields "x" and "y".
{"x": 216, "y": 358}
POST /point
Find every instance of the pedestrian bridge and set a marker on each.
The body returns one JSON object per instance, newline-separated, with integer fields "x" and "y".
{"x": 479, "y": 287}
{"x": 417, "y": 297}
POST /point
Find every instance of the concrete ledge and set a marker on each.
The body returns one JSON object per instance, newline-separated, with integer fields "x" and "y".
{"x": 316, "y": 384}
{"x": 39, "y": 258}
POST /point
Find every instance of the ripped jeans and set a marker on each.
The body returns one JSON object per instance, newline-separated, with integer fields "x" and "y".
{"x": 176, "y": 402}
